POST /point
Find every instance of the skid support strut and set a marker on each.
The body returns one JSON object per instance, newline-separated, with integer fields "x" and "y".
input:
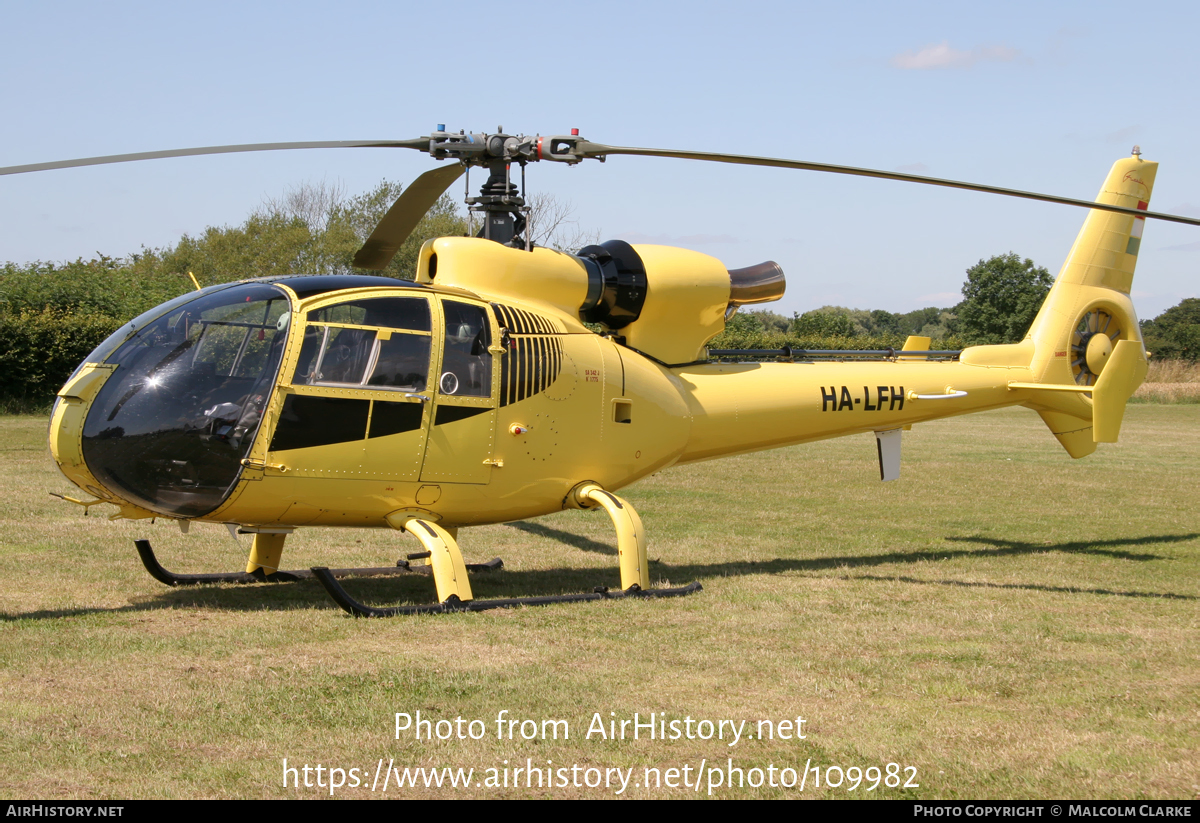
{"x": 265, "y": 553}
{"x": 449, "y": 570}
{"x": 631, "y": 535}
{"x": 631, "y": 546}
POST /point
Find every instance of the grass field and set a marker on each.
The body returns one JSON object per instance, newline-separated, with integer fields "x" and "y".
{"x": 1003, "y": 621}
{"x": 1170, "y": 381}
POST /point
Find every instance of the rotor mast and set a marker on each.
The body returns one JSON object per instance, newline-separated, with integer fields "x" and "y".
{"x": 500, "y": 203}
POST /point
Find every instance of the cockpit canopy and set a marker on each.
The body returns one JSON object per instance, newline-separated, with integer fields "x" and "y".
{"x": 190, "y": 382}
{"x": 170, "y": 427}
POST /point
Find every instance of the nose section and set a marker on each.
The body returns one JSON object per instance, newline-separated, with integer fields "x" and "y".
{"x": 66, "y": 425}
{"x": 162, "y": 415}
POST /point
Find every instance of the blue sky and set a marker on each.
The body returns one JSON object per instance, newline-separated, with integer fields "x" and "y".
{"x": 1041, "y": 96}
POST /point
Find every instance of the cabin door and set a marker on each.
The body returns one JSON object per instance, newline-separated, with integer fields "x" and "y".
{"x": 358, "y": 406}
{"x": 461, "y": 440}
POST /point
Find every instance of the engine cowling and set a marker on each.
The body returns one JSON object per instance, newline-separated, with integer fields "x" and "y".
{"x": 666, "y": 302}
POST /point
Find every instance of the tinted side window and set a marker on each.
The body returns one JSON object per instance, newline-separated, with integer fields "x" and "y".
{"x": 379, "y": 343}
{"x": 411, "y": 313}
{"x": 402, "y": 362}
{"x": 466, "y": 361}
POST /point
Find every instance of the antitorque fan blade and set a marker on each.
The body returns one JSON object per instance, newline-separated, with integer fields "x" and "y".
{"x": 585, "y": 148}
{"x": 404, "y": 215}
{"x": 418, "y": 143}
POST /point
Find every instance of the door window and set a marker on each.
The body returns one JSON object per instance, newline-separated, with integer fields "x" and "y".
{"x": 466, "y": 361}
{"x": 379, "y": 343}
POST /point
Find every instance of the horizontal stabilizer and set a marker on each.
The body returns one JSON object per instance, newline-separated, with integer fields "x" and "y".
{"x": 916, "y": 342}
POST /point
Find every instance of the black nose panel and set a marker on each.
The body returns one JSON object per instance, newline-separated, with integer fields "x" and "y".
{"x": 170, "y": 428}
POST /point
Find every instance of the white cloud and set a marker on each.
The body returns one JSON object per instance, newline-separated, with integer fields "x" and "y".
{"x": 943, "y": 56}
{"x": 1122, "y": 135}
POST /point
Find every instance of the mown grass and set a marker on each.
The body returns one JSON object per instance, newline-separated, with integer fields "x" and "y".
{"x": 1010, "y": 622}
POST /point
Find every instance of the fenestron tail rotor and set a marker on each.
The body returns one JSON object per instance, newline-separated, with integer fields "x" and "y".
{"x": 1092, "y": 343}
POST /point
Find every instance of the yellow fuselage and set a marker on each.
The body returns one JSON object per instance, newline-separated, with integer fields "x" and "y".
{"x": 478, "y": 395}
{"x": 564, "y": 406}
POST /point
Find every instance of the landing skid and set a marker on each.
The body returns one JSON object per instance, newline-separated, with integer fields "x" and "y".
{"x": 328, "y": 579}
{"x": 444, "y": 563}
{"x": 258, "y": 576}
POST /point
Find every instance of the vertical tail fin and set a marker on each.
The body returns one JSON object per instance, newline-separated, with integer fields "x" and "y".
{"x": 1087, "y": 333}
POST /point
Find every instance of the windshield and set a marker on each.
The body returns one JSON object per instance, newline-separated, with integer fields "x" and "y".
{"x": 171, "y": 426}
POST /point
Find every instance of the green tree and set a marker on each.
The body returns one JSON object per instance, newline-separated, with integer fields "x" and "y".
{"x": 52, "y": 314}
{"x": 1003, "y": 295}
{"x": 930, "y": 322}
{"x": 1175, "y": 334}
{"x": 773, "y": 321}
{"x": 827, "y": 321}
{"x": 745, "y": 324}
{"x": 263, "y": 246}
{"x": 310, "y": 229}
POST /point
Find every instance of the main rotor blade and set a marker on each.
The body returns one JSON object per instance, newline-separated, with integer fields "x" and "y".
{"x": 589, "y": 149}
{"x": 404, "y": 215}
{"x": 421, "y": 143}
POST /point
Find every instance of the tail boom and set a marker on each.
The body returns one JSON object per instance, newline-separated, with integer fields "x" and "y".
{"x": 737, "y": 408}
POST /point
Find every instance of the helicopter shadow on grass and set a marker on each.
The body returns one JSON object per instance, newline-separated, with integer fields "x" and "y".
{"x": 532, "y": 583}
{"x": 577, "y": 540}
{"x": 405, "y": 590}
{"x": 999, "y": 548}
{"x": 419, "y": 589}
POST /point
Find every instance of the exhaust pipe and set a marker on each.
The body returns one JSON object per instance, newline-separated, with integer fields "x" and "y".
{"x": 756, "y": 284}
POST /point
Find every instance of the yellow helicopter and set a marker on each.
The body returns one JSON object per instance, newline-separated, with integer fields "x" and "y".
{"x": 476, "y": 394}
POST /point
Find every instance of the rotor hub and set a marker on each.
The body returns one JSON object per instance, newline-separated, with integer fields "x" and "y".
{"x": 1099, "y": 347}
{"x": 1092, "y": 344}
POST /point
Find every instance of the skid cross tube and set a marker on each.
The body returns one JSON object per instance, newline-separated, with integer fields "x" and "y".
{"x": 631, "y": 534}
